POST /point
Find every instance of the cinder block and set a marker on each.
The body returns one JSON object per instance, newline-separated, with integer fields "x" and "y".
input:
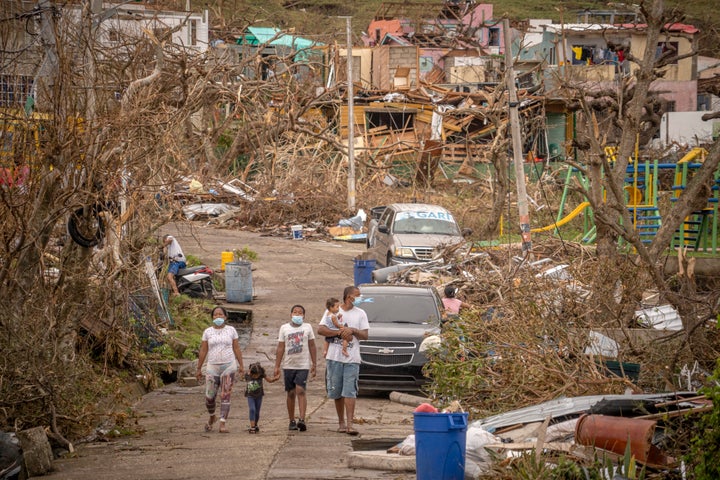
{"x": 189, "y": 382}
{"x": 380, "y": 460}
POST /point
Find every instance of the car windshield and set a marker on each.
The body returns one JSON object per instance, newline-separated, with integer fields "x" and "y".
{"x": 388, "y": 308}
{"x": 433, "y": 223}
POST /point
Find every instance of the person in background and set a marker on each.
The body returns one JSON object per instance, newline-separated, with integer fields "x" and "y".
{"x": 296, "y": 354}
{"x": 176, "y": 258}
{"x": 343, "y": 371}
{"x": 224, "y": 359}
{"x": 452, "y": 304}
{"x": 254, "y": 392}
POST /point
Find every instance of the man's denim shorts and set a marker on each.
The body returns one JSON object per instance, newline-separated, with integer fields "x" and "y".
{"x": 342, "y": 379}
{"x": 174, "y": 267}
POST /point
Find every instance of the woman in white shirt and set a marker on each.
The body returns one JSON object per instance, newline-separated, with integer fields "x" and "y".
{"x": 224, "y": 360}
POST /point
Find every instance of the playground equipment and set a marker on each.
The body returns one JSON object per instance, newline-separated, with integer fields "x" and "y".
{"x": 562, "y": 221}
{"x": 698, "y": 232}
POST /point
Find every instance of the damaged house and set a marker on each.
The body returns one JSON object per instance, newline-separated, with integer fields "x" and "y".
{"x": 593, "y": 54}
{"x": 424, "y": 86}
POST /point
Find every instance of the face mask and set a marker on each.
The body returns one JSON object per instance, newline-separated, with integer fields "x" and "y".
{"x": 297, "y": 319}
{"x": 357, "y": 301}
{"x": 218, "y": 321}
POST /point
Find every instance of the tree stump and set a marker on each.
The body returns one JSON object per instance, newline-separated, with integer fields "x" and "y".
{"x": 36, "y": 451}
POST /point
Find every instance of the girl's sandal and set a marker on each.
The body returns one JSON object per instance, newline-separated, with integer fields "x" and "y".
{"x": 209, "y": 425}
{"x": 222, "y": 427}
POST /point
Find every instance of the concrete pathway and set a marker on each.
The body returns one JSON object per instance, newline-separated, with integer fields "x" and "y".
{"x": 173, "y": 444}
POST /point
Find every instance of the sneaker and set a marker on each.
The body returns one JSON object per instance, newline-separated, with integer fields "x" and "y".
{"x": 293, "y": 425}
{"x": 301, "y": 425}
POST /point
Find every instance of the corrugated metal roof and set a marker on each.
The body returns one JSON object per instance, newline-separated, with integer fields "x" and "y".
{"x": 597, "y": 27}
{"x": 273, "y": 36}
{"x": 663, "y": 317}
{"x": 561, "y": 407}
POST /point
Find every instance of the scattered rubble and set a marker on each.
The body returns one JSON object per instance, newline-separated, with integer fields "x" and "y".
{"x": 581, "y": 428}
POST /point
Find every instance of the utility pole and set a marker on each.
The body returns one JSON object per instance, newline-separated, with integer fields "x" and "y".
{"x": 516, "y": 142}
{"x": 351, "y": 119}
{"x": 48, "y": 71}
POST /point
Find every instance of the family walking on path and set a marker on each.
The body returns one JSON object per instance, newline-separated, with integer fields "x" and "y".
{"x": 343, "y": 324}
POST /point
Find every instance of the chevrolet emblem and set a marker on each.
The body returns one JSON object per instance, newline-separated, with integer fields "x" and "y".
{"x": 386, "y": 350}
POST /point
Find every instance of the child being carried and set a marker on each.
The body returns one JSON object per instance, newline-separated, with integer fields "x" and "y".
{"x": 333, "y": 313}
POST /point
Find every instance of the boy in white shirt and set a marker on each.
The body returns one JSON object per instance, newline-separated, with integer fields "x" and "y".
{"x": 296, "y": 354}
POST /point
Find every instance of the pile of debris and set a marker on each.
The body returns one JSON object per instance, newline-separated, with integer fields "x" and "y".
{"x": 588, "y": 430}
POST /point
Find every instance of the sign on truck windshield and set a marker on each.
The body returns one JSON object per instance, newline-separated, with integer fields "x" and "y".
{"x": 432, "y": 223}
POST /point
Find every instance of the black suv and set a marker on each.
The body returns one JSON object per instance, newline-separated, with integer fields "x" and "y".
{"x": 404, "y": 322}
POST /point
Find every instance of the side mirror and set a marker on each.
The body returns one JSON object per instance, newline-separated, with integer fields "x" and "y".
{"x": 466, "y": 232}
{"x": 383, "y": 229}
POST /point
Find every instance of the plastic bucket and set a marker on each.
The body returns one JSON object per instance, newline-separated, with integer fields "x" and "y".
{"x": 440, "y": 445}
{"x": 226, "y": 257}
{"x": 362, "y": 273}
{"x": 297, "y": 232}
{"x": 238, "y": 282}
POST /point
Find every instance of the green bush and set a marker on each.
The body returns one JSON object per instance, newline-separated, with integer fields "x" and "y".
{"x": 246, "y": 254}
{"x": 704, "y": 456}
{"x": 193, "y": 261}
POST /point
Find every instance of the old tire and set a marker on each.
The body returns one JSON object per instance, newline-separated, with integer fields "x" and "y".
{"x": 86, "y": 226}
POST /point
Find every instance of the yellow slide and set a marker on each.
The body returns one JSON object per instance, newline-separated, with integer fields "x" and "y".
{"x": 563, "y": 220}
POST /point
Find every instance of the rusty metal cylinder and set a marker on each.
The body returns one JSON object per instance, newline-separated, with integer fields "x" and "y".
{"x": 613, "y": 434}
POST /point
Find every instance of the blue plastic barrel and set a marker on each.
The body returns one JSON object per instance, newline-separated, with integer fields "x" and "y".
{"x": 362, "y": 273}
{"x": 238, "y": 282}
{"x": 440, "y": 445}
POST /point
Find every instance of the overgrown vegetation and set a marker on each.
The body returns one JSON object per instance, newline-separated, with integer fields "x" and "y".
{"x": 525, "y": 340}
{"x": 705, "y": 442}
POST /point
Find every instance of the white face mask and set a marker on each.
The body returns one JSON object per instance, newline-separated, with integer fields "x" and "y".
{"x": 297, "y": 319}
{"x": 218, "y": 321}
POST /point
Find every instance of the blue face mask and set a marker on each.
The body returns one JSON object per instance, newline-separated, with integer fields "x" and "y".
{"x": 219, "y": 321}
{"x": 357, "y": 301}
{"x": 297, "y": 319}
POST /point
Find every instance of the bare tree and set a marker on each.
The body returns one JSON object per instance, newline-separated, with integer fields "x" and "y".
{"x": 92, "y": 168}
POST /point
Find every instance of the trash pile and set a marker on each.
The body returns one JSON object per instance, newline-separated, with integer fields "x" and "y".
{"x": 581, "y": 429}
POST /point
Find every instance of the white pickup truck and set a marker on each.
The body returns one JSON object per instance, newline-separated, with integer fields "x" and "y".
{"x": 407, "y": 233}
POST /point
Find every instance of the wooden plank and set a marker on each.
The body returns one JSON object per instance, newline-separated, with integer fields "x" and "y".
{"x": 381, "y": 129}
{"x": 404, "y": 152}
{"x": 451, "y": 126}
{"x": 425, "y": 117}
